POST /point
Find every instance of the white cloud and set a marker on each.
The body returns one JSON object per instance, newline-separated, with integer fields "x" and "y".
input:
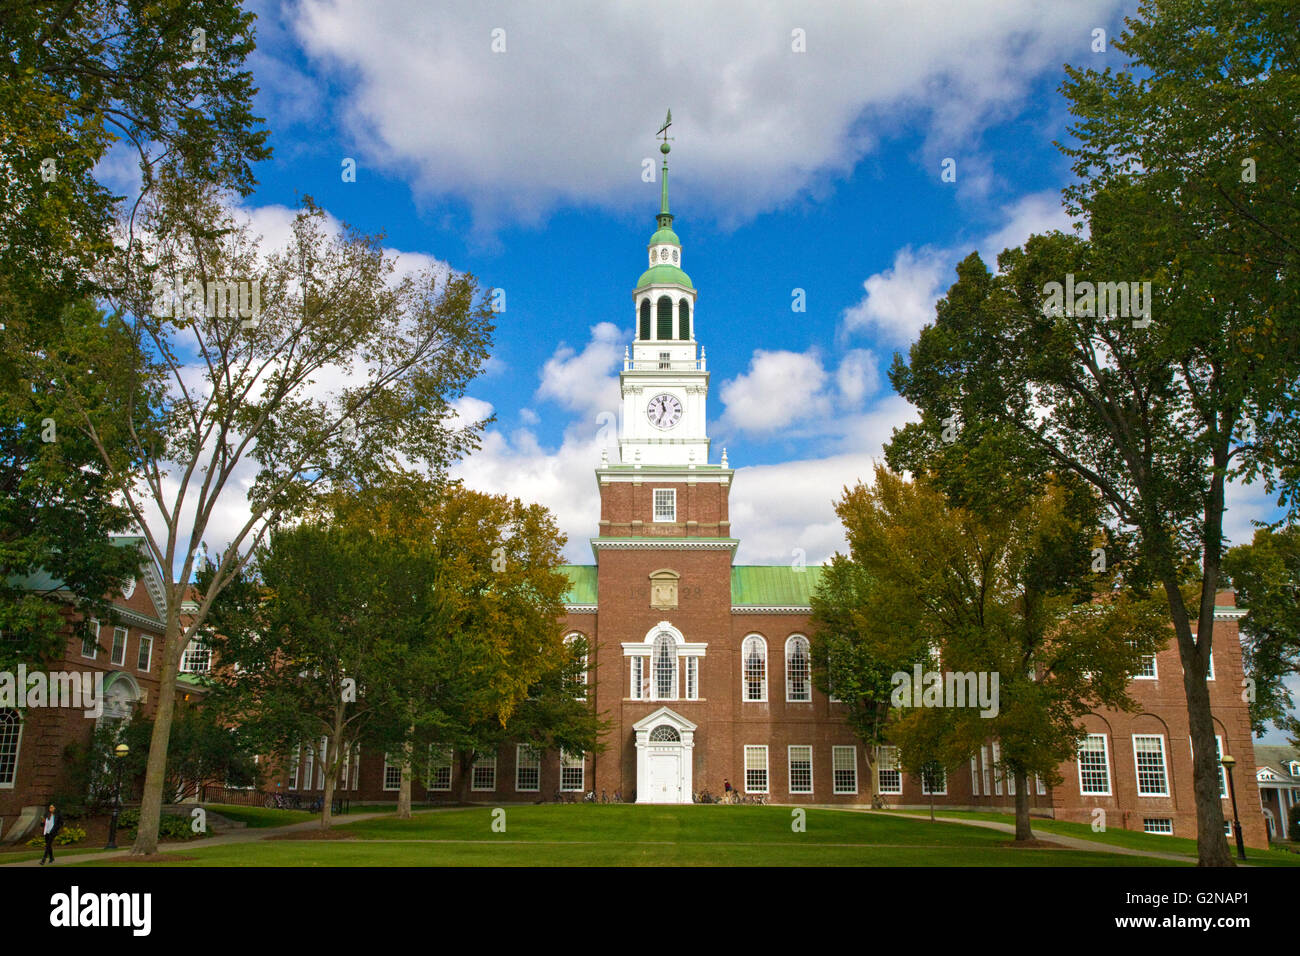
{"x": 779, "y": 388}
{"x": 858, "y": 377}
{"x": 585, "y": 381}
{"x": 564, "y": 115}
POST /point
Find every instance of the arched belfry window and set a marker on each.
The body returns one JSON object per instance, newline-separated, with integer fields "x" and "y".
{"x": 665, "y": 734}
{"x": 683, "y": 319}
{"x": 665, "y": 317}
{"x": 753, "y": 657}
{"x": 644, "y": 331}
{"x": 663, "y": 663}
{"x": 798, "y": 672}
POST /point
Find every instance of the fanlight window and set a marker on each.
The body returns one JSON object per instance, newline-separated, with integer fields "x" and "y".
{"x": 665, "y": 734}
{"x": 664, "y": 663}
{"x": 798, "y": 686}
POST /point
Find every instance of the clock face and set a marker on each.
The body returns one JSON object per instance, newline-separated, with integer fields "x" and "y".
{"x": 664, "y": 411}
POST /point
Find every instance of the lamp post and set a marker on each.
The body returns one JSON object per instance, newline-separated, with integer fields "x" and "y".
{"x": 119, "y": 752}
{"x": 1229, "y": 762}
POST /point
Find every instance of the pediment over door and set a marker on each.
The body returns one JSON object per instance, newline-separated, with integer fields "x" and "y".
{"x": 665, "y": 715}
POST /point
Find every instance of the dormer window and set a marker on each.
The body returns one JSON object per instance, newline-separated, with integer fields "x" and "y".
{"x": 1295, "y": 768}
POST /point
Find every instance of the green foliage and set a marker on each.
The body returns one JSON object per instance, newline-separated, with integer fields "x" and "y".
{"x": 171, "y": 826}
{"x": 1266, "y": 577}
{"x": 66, "y": 837}
{"x": 1295, "y": 829}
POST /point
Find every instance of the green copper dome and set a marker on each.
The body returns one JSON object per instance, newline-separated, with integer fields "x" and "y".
{"x": 664, "y": 274}
{"x": 665, "y": 235}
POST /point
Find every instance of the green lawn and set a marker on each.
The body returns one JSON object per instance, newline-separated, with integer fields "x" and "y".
{"x": 260, "y": 817}
{"x": 1132, "y": 839}
{"x": 625, "y": 835}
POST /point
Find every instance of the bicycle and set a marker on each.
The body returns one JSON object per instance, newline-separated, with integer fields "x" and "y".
{"x": 281, "y": 801}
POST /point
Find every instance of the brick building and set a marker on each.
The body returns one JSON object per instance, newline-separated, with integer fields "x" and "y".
{"x": 127, "y": 652}
{"x": 702, "y": 666}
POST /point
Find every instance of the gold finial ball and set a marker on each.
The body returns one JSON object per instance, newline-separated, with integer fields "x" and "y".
{"x": 664, "y": 148}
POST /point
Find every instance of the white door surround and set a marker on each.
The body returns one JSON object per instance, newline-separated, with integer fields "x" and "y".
{"x": 665, "y": 752}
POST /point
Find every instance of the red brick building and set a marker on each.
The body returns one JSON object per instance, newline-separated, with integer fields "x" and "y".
{"x": 127, "y": 656}
{"x": 702, "y": 666}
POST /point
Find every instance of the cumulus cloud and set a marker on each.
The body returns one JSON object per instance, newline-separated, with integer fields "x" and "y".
{"x": 586, "y": 381}
{"x": 779, "y": 388}
{"x": 553, "y": 108}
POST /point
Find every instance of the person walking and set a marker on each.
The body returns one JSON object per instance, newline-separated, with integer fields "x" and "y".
{"x": 51, "y": 824}
{"x": 726, "y": 787}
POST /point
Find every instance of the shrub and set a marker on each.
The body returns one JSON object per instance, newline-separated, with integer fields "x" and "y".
{"x": 67, "y": 836}
{"x": 170, "y": 827}
{"x": 1295, "y": 828}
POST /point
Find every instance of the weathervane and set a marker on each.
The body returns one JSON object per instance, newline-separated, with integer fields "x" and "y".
{"x": 663, "y": 131}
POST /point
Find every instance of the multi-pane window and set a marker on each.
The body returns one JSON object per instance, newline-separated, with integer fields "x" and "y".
{"x": 197, "y": 658}
{"x": 798, "y": 685}
{"x": 528, "y": 769}
{"x": 665, "y": 504}
{"x": 1149, "y": 755}
{"x": 11, "y": 730}
{"x": 1157, "y": 825}
{"x": 572, "y": 771}
{"x": 692, "y": 678}
{"x": 801, "y": 780}
{"x": 664, "y": 662}
{"x": 308, "y": 764}
{"x": 1094, "y": 768}
{"x": 439, "y": 769}
{"x": 997, "y": 769}
{"x": 484, "y": 774}
{"x": 90, "y": 640}
{"x": 984, "y": 764}
{"x": 1223, "y": 777}
{"x": 889, "y": 778}
{"x": 118, "y": 657}
{"x": 294, "y": 768}
{"x": 144, "y": 656}
{"x": 754, "y": 660}
{"x": 974, "y": 777}
{"x": 577, "y": 641}
{"x": 1146, "y": 665}
{"x": 844, "y": 769}
{"x": 638, "y": 678}
{"x": 392, "y": 774}
{"x": 1042, "y": 787}
{"x": 934, "y": 780}
{"x": 756, "y": 769}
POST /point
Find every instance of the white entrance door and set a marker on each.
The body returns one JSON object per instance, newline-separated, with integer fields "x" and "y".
{"x": 664, "y": 768}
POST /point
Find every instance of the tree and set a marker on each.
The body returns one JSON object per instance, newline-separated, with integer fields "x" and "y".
{"x": 1188, "y": 181}
{"x": 1266, "y": 576}
{"x": 228, "y": 392}
{"x": 1028, "y": 638}
{"x": 843, "y": 650}
{"x": 76, "y": 78}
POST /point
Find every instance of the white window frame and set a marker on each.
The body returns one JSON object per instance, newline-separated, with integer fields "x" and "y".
{"x": 789, "y": 766}
{"x": 667, "y": 497}
{"x": 145, "y": 641}
{"x": 527, "y": 758}
{"x": 581, "y": 681}
{"x": 485, "y": 763}
{"x": 195, "y": 653}
{"x": 837, "y": 752}
{"x": 791, "y": 642}
{"x": 308, "y": 764}
{"x": 93, "y": 640}
{"x": 17, "y": 751}
{"x": 744, "y": 675}
{"x": 767, "y": 778}
{"x": 984, "y": 770}
{"x": 937, "y": 793}
{"x": 1155, "y": 673}
{"x": 1164, "y": 765}
{"x": 112, "y": 651}
{"x": 1159, "y": 826}
{"x": 692, "y": 678}
{"x": 388, "y": 767}
{"x": 294, "y": 768}
{"x": 1105, "y": 758}
{"x": 674, "y": 688}
{"x": 431, "y": 782}
{"x": 637, "y": 677}
{"x": 974, "y": 776}
{"x": 567, "y": 763}
{"x": 888, "y": 763}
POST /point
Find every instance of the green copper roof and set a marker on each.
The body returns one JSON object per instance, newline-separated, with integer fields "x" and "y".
{"x": 664, "y": 274}
{"x": 773, "y": 586}
{"x": 582, "y": 583}
{"x": 665, "y": 235}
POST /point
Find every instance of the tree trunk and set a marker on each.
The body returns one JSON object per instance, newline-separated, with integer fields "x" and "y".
{"x": 404, "y": 790}
{"x": 874, "y": 778}
{"x": 465, "y": 762}
{"x": 1023, "y": 829}
{"x": 155, "y": 777}
{"x": 333, "y": 757}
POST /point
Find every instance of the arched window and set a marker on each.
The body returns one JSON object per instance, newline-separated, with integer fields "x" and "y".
{"x": 753, "y": 655}
{"x": 798, "y": 686}
{"x": 664, "y": 664}
{"x": 578, "y": 646}
{"x": 665, "y": 734}
{"x": 683, "y": 319}
{"x": 11, "y": 729}
{"x": 665, "y": 316}
{"x": 644, "y": 332}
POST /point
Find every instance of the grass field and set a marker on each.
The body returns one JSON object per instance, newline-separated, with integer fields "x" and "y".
{"x": 645, "y": 836}
{"x": 1130, "y": 838}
